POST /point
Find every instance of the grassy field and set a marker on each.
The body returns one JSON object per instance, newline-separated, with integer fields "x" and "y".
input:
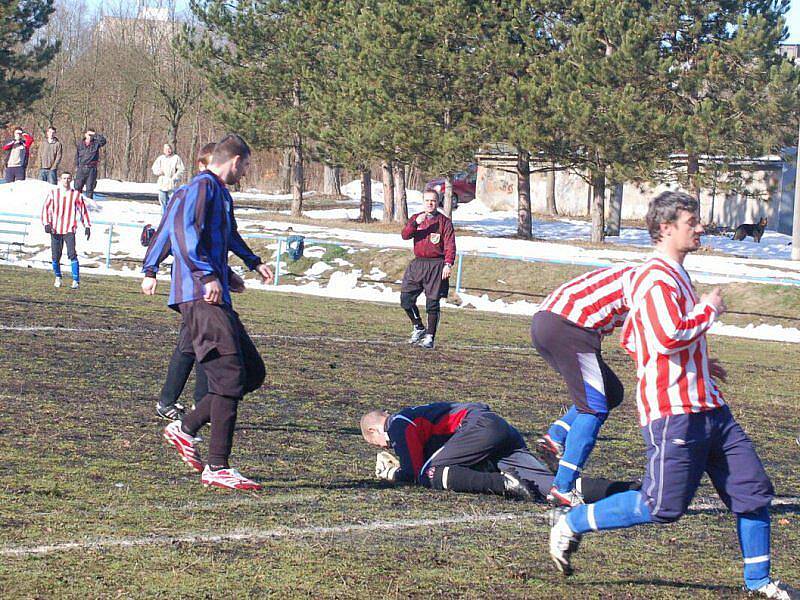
{"x": 84, "y": 462}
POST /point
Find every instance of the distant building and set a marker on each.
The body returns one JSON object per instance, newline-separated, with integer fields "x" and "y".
{"x": 790, "y": 51}
{"x": 149, "y": 24}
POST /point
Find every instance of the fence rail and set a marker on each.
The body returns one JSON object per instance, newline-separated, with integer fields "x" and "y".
{"x": 460, "y": 255}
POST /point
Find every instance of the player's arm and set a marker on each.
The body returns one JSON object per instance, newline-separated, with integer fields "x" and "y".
{"x": 449, "y": 238}
{"x": 671, "y": 328}
{"x": 240, "y": 248}
{"x": 100, "y": 140}
{"x": 410, "y": 228}
{"x": 160, "y": 247}
{"x": 27, "y": 139}
{"x": 47, "y": 211}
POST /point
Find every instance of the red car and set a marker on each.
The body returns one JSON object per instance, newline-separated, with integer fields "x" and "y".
{"x": 463, "y": 186}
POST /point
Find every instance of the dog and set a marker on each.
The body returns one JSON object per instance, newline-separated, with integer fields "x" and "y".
{"x": 756, "y": 231}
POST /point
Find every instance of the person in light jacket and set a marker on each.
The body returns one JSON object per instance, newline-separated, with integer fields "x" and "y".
{"x": 169, "y": 169}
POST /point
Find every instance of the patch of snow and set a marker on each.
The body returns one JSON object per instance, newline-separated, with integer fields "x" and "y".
{"x": 318, "y": 268}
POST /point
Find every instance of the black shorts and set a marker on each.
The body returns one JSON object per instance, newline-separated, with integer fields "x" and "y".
{"x": 219, "y": 341}
{"x": 574, "y": 352}
{"x": 426, "y": 274}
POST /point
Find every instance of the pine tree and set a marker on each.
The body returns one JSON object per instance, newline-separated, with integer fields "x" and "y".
{"x": 20, "y": 59}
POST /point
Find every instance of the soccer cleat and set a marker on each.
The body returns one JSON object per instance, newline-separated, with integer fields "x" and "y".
{"x": 563, "y": 541}
{"x": 777, "y": 590}
{"x": 515, "y": 486}
{"x": 228, "y": 478}
{"x": 417, "y": 335}
{"x": 57, "y": 282}
{"x": 549, "y": 451}
{"x": 75, "y": 285}
{"x": 184, "y": 444}
{"x": 426, "y": 342}
{"x": 176, "y": 412}
{"x": 570, "y": 498}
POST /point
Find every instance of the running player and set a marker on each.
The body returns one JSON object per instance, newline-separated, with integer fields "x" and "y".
{"x": 567, "y": 331}
{"x": 688, "y": 429}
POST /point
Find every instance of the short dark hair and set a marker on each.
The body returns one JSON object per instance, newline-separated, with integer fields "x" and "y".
{"x": 228, "y": 147}
{"x": 88, "y": 129}
{"x": 664, "y": 208}
{"x": 206, "y": 153}
{"x": 51, "y": 127}
{"x": 65, "y": 173}
{"x": 18, "y": 128}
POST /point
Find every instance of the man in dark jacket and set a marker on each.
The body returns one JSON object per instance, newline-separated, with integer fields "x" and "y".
{"x": 87, "y": 157}
{"x": 17, "y": 152}
{"x": 465, "y": 447}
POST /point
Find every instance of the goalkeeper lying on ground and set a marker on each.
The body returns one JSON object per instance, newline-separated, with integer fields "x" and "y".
{"x": 465, "y": 448}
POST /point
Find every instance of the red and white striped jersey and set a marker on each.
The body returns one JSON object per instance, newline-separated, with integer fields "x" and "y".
{"x": 594, "y": 300}
{"x": 62, "y": 209}
{"x": 666, "y": 335}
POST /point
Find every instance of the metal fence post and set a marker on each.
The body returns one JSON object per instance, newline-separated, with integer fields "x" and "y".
{"x": 459, "y": 269}
{"x": 108, "y": 248}
{"x": 278, "y": 262}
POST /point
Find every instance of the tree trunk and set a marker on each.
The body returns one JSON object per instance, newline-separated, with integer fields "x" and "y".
{"x": 598, "y": 205}
{"x": 285, "y": 174}
{"x": 190, "y": 162}
{"x": 365, "y": 212}
{"x": 400, "y": 199}
{"x": 692, "y": 172}
{"x": 524, "y": 221}
{"x": 447, "y": 203}
{"x": 297, "y": 176}
{"x": 551, "y": 191}
{"x": 615, "y": 210}
{"x": 388, "y": 191}
{"x": 332, "y": 180}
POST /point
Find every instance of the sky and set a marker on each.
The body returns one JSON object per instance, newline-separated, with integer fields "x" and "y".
{"x": 792, "y": 20}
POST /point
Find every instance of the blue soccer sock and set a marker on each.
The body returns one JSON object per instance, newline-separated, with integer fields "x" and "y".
{"x": 56, "y": 268}
{"x": 559, "y": 429}
{"x": 580, "y": 442}
{"x": 754, "y": 531}
{"x": 615, "y": 512}
{"x": 76, "y": 270}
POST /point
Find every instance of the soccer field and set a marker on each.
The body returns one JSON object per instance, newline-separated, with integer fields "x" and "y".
{"x": 95, "y": 505}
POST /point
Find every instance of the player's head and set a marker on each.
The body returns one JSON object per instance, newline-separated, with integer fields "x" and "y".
{"x": 231, "y": 159}
{"x": 89, "y": 134}
{"x": 205, "y": 155}
{"x": 168, "y": 150}
{"x": 65, "y": 179}
{"x": 18, "y": 131}
{"x": 430, "y": 200}
{"x": 51, "y": 132}
{"x": 373, "y": 428}
{"x": 673, "y": 220}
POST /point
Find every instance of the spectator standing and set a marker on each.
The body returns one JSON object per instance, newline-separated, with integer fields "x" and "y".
{"x": 17, "y": 152}
{"x": 87, "y": 157}
{"x": 50, "y": 153}
{"x": 60, "y": 213}
{"x": 169, "y": 169}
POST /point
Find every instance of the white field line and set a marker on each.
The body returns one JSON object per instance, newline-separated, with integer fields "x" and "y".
{"x": 303, "y": 338}
{"x": 256, "y": 535}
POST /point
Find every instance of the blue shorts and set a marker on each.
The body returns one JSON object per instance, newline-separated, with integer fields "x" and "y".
{"x": 680, "y": 448}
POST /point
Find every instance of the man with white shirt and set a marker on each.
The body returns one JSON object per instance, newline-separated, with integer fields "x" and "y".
{"x": 687, "y": 428}
{"x": 169, "y": 168}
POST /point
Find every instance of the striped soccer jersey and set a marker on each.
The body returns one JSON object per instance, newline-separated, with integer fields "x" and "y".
{"x": 62, "y": 209}
{"x": 665, "y": 334}
{"x": 594, "y": 300}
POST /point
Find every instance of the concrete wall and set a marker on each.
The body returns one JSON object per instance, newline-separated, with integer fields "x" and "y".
{"x": 497, "y": 188}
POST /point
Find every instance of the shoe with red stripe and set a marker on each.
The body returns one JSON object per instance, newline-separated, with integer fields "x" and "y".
{"x": 549, "y": 451}
{"x": 228, "y": 478}
{"x": 569, "y": 499}
{"x": 184, "y": 444}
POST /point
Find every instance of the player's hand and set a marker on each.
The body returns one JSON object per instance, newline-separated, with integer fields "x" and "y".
{"x": 446, "y": 272}
{"x": 88, "y": 232}
{"x": 149, "y": 285}
{"x": 48, "y": 228}
{"x": 236, "y": 283}
{"x": 420, "y": 218}
{"x": 714, "y": 298}
{"x": 266, "y": 273}
{"x": 386, "y": 466}
{"x": 212, "y": 292}
{"x": 716, "y": 370}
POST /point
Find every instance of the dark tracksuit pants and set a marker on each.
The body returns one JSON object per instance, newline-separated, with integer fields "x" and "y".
{"x": 86, "y": 176}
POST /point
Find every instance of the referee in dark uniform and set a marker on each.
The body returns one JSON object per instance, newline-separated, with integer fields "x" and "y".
{"x": 435, "y": 252}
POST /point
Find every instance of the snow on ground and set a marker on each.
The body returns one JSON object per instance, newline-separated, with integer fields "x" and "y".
{"x": 767, "y": 260}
